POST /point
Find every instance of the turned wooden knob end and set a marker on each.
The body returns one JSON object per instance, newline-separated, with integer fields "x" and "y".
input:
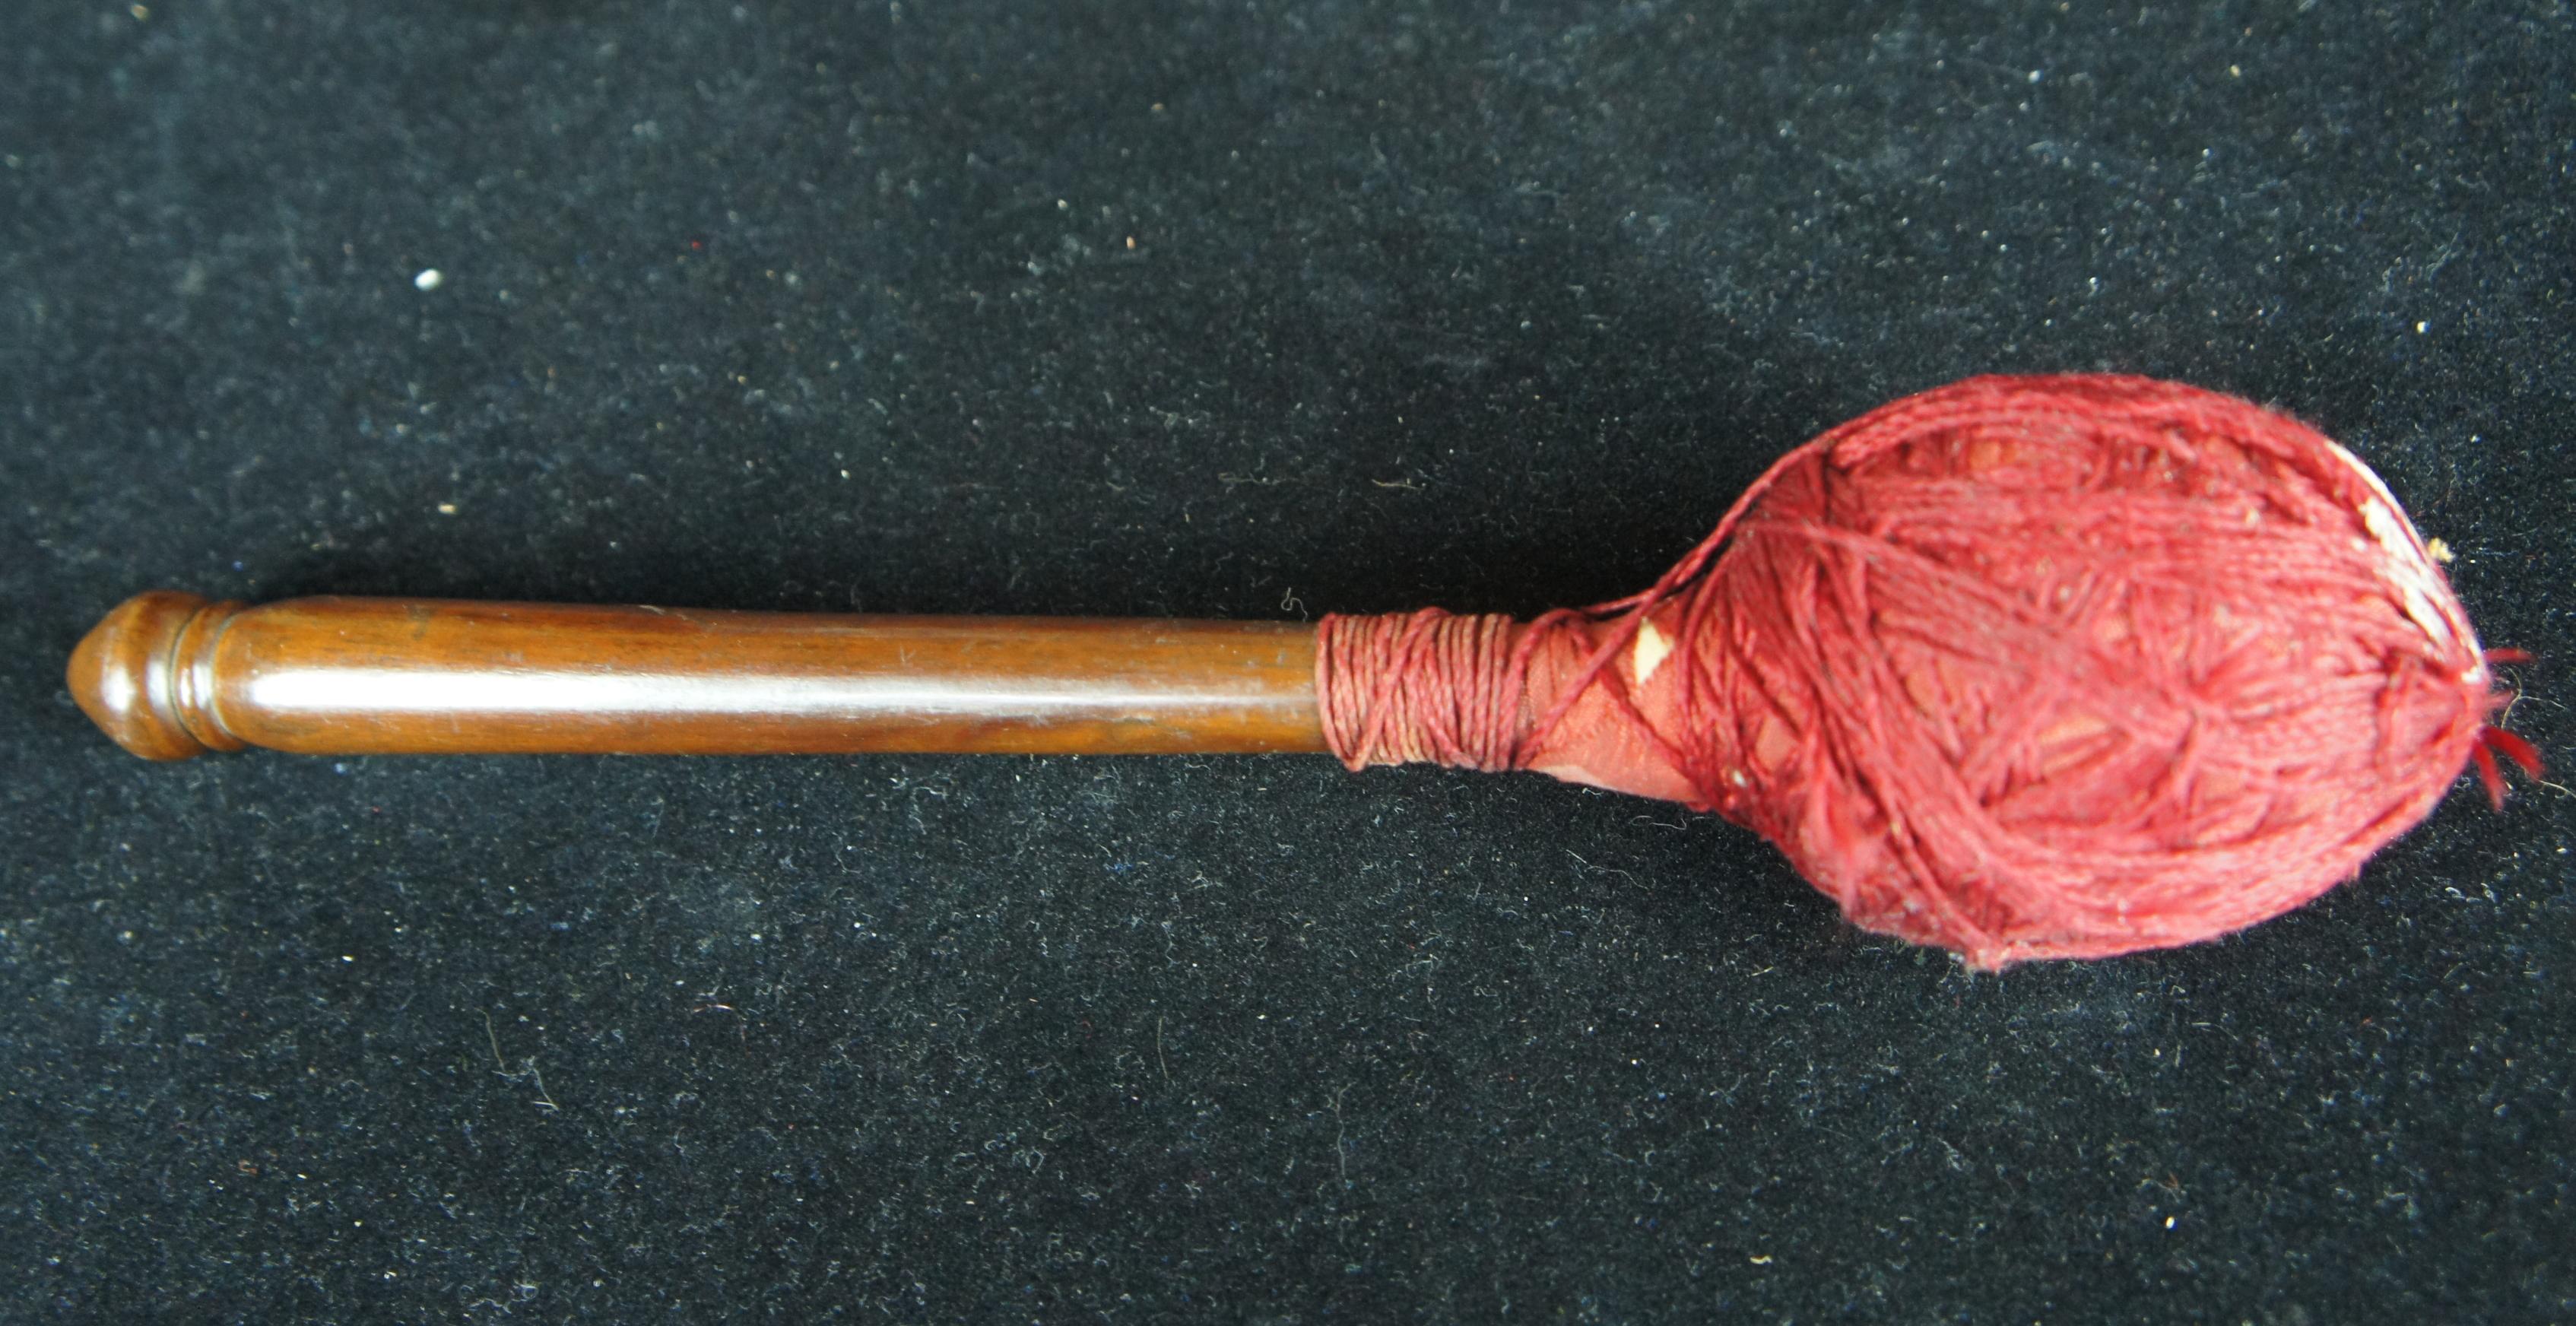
{"x": 143, "y": 674}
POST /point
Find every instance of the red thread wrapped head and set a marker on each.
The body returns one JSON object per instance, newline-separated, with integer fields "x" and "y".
{"x": 2047, "y": 667}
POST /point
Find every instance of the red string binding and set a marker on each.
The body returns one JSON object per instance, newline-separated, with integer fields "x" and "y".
{"x": 2025, "y": 667}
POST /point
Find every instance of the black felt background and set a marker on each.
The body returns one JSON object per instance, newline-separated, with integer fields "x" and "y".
{"x": 1213, "y": 310}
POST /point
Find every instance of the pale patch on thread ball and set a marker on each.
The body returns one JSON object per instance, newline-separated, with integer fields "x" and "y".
{"x": 2408, "y": 567}
{"x": 1649, "y": 653}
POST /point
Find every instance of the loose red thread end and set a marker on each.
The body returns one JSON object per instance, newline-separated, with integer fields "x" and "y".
{"x": 2494, "y": 740}
{"x": 2024, "y": 667}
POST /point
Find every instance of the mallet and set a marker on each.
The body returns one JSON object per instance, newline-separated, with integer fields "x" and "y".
{"x": 2024, "y": 667}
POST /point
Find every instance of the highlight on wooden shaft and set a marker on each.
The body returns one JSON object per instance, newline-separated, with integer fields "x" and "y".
{"x": 171, "y": 675}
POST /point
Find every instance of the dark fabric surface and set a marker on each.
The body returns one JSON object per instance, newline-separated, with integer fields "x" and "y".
{"x": 1230, "y": 311}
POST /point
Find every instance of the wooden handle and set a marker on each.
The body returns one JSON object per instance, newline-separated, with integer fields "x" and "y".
{"x": 171, "y": 675}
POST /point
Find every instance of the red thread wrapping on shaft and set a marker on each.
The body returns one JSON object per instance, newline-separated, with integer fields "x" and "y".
{"x": 2047, "y": 667}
